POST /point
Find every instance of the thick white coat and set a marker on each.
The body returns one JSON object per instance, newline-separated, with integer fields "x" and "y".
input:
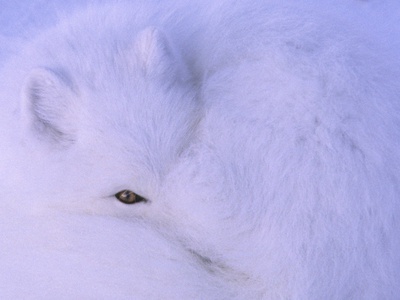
{"x": 264, "y": 136}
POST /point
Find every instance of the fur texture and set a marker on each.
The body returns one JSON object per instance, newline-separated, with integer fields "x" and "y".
{"x": 265, "y": 137}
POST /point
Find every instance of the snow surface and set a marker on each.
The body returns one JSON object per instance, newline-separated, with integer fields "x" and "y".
{"x": 48, "y": 252}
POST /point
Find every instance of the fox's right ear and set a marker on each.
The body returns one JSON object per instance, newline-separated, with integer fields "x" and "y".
{"x": 49, "y": 106}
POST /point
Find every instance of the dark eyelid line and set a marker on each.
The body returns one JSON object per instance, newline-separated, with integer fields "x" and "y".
{"x": 138, "y": 198}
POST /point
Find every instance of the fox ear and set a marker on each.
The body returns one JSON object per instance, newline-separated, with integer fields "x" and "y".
{"x": 48, "y": 99}
{"x": 156, "y": 56}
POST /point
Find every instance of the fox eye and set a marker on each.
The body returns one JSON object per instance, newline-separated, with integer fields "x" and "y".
{"x": 129, "y": 197}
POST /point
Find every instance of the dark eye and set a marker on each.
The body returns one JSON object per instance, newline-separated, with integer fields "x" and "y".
{"x": 129, "y": 197}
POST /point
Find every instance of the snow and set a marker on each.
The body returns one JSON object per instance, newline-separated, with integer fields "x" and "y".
{"x": 50, "y": 251}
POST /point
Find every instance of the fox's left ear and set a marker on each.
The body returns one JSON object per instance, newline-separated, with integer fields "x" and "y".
{"x": 48, "y": 106}
{"x": 157, "y": 57}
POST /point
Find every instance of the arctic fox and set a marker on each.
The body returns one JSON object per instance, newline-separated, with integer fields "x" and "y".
{"x": 261, "y": 139}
